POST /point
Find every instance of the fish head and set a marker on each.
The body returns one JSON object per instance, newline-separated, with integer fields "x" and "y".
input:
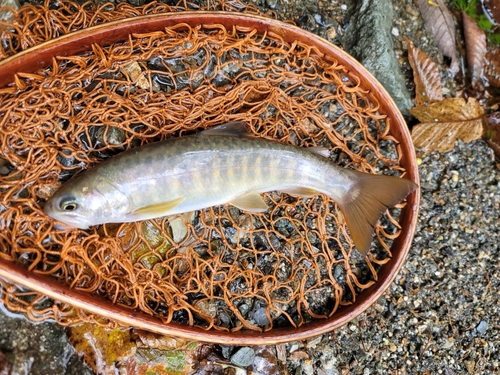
{"x": 81, "y": 203}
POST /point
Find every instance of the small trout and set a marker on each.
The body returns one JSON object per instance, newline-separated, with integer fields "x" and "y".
{"x": 220, "y": 165}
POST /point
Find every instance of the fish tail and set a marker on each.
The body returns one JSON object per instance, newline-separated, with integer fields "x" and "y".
{"x": 370, "y": 196}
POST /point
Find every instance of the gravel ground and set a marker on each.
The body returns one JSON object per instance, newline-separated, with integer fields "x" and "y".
{"x": 440, "y": 316}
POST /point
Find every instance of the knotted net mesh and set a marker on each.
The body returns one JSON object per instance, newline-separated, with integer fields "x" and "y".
{"x": 218, "y": 268}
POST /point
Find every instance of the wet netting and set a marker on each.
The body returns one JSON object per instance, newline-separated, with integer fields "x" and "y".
{"x": 218, "y": 268}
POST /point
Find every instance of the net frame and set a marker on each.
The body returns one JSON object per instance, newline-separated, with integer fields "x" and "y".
{"x": 256, "y": 90}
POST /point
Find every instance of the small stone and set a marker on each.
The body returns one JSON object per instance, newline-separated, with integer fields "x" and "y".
{"x": 179, "y": 229}
{"x": 395, "y": 31}
{"x": 6, "y": 15}
{"x": 244, "y": 308}
{"x": 115, "y": 136}
{"x": 272, "y": 3}
{"x": 227, "y": 351}
{"x": 260, "y": 317}
{"x": 447, "y": 344}
{"x": 482, "y": 327}
{"x": 207, "y": 307}
{"x": 331, "y": 33}
{"x": 307, "y": 367}
{"x": 243, "y": 357}
{"x": 134, "y": 72}
{"x": 470, "y": 365}
{"x": 313, "y": 342}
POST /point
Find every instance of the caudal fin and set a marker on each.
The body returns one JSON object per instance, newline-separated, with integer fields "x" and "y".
{"x": 367, "y": 200}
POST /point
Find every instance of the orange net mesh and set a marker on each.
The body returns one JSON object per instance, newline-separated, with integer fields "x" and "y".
{"x": 218, "y": 268}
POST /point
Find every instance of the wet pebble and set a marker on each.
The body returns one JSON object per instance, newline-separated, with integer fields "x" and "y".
{"x": 272, "y": 4}
{"x": 243, "y": 357}
{"x": 4, "y": 171}
{"x": 260, "y": 317}
{"x": 324, "y": 21}
{"x": 65, "y": 159}
{"x": 179, "y": 228}
{"x": 482, "y": 327}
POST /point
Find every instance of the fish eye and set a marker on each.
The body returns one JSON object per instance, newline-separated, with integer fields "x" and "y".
{"x": 68, "y": 204}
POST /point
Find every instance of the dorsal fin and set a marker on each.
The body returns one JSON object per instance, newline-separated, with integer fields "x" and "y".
{"x": 232, "y": 128}
{"x": 318, "y": 150}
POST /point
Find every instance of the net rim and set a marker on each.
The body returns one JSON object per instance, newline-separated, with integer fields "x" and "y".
{"x": 39, "y": 56}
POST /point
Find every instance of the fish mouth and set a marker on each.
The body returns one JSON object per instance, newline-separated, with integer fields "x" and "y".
{"x": 64, "y": 221}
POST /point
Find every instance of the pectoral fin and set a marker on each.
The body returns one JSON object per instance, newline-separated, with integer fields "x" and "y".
{"x": 252, "y": 202}
{"x": 157, "y": 210}
{"x": 301, "y": 192}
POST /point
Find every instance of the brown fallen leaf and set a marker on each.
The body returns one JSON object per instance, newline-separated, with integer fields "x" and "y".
{"x": 442, "y": 136}
{"x": 5, "y": 365}
{"x": 491, "y": 123}
{"x": 492, "y": 69}
{"x": 491, "y": 9}
{"x": 428, "y": 88}
{"x": 439, "y": 22}
{"x": 266, "y": 361}
{"x": 475, "y": 44}
{"x": 156, "y": 341}
{"x": 448, "y": 110}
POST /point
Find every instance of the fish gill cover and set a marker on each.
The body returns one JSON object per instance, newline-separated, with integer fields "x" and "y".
{"x": 218, "y": 268}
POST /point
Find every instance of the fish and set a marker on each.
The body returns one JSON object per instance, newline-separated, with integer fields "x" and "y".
{"x": 223, "y": 164}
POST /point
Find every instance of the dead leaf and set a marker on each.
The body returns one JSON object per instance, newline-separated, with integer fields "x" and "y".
{"x": 426, "y": 76}
{"x": 492, "y": 69}
{"x": 5, "y": 365}
{"x": 492, "y": 10}
{"x": 491, "y": 123}
{"x": 439, "y": 22}
{"x": 156, "y": 341}
{"x": 102, "y": 348}
{"x": 495, "y": 147}
{"x": 442, "y": 136}
{"x": 266, "y": 361}
{"x": 162, "y": 362}
{"x": 162, "y": 355}
{"x": 448, "y": 110}
{"x": 475, "y": 44}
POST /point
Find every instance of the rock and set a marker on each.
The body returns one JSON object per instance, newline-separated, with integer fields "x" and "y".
{"x": 41, "y": 348}
{"x": 482, "y": 327}
{"x": 368, "y": 39}
{"x": 243, "y": 357}
{"x": 260, "y": 317}
{"x": 6, "y": 15}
